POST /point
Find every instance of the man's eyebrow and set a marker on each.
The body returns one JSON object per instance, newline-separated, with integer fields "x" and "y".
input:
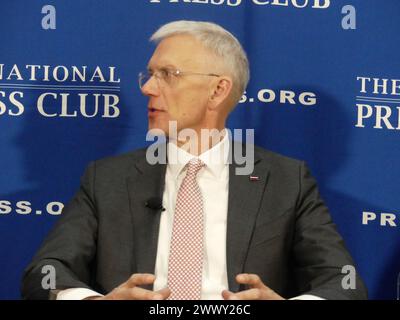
{"x": 166, "y": 66}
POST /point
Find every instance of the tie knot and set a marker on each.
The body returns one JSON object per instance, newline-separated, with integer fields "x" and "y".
{"x": 194, "y": 166}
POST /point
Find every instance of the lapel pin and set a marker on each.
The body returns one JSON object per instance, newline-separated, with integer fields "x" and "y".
{"x": 254, "y": 178}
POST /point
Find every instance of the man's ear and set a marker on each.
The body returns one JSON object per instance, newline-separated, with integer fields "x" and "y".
{"x": 220, "y": 91}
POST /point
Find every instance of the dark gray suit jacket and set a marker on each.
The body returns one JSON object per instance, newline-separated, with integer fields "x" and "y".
{"x": 278, "y": 227}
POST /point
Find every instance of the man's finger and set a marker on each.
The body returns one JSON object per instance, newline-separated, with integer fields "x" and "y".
{"x": 251, "y": 294}
{"x": 251, "y": 280}
{"x": 138, "y": 293}
{"x": 226, "y": 294}
{"x": 164, "y": 293}
{"x": 139, "y": 279}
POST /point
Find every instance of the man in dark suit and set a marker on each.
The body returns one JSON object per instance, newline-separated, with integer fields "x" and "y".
{"x": 194, "y": 227}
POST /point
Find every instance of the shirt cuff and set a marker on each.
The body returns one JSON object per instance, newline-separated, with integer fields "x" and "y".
{"x": 307, "y": 297}
{"x": 77, "y": 294}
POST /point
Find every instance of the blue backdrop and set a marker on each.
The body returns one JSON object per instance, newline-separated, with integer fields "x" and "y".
{"x": 323, "y": 89}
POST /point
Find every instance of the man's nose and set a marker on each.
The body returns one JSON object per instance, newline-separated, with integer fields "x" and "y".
{"x": 151, "y": 87}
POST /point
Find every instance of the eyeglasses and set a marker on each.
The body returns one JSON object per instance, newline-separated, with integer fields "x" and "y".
{"x": 168, "y": 76}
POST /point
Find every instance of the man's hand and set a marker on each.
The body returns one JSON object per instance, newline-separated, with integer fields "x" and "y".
{"x": 130, "y": 289}
{"x": 257, "y": 289}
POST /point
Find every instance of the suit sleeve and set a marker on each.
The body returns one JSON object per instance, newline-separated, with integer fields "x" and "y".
{"x": 70, "y": 247}
{"x": 319, "y": 250}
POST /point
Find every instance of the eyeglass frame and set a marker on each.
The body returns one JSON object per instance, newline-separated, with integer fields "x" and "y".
{"x": 174, "y": 72}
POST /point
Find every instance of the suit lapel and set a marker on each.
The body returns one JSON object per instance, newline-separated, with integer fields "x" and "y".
{"x": 243, "y": 205}
{"x": 145, "y": 182}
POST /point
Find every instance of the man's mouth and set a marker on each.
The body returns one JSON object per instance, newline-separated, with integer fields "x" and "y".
{"x": 154, "y": 111}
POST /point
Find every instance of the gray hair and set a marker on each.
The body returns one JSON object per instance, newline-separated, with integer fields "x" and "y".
{"x": 219, "y": 41}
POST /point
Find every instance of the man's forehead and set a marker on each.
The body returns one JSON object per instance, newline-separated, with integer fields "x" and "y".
{"x": 177, "y": 61}
{"x": 169, "y": 63}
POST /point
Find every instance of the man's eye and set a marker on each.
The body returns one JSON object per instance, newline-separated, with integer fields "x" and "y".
{"x": 164, "y": 73}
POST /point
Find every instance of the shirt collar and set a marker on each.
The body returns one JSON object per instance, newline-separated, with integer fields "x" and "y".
{"x": 215, "y": 159}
